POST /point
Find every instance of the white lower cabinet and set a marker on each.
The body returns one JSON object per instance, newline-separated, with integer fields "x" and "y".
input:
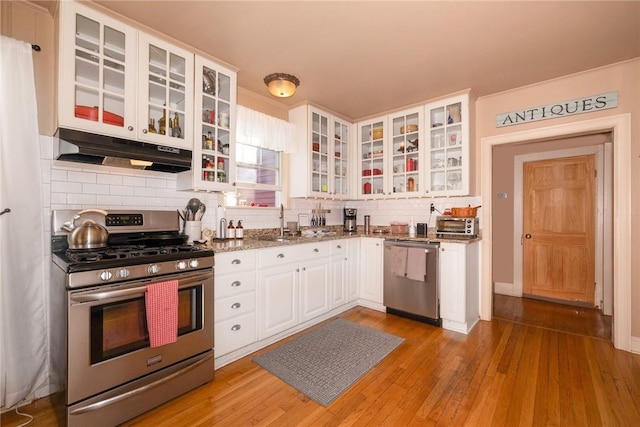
{"x": 314, "y": 288}
{"x": 371, "y": 272}
{"x": 278, "y": 295}
{"x": 459, "y": 286}
{"x": 235, "y": 301}
{"x": 339, "y": 271}
{"x": 353, "y": 270}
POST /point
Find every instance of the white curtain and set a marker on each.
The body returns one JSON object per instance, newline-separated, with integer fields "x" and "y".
{"x": 23, "y": 321}
{"x": 261, "y": 130}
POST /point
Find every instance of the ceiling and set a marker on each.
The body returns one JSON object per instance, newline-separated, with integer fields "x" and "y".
{"x": 360, "y": 58}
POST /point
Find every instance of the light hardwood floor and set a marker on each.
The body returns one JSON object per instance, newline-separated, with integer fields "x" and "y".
{"x": 504, "y": 373}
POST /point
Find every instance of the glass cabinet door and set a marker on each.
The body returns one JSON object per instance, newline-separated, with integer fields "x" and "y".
{"x": 97, "y": 76}
{"x": 319, "y": 153}
{"x": 448, "y": 148}
{"x": 340, "y": 158}
{"x": 214, "y": 149}
{"x": 405, "y": 152}
{"x": 371, "y": 149}
{"x": 166, "y": 85}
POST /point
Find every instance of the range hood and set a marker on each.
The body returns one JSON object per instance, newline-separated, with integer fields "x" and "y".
{"x": 85, "y": 147}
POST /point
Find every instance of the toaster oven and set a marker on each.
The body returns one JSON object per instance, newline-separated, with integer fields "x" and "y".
{"x": 455, "y": 227}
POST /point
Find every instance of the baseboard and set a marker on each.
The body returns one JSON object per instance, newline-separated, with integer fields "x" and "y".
{"x": 503, "y": 288}
{"x": 635, "y": 345}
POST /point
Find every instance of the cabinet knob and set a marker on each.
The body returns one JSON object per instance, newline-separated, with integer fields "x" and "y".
{"x": 235, "y": 284}
{"x": 130, "y": 128}
{"x": 236, "y": 261}
{"x": 297, "y": 270}
{"x": 316, "y": 250}
{"x": 236, "y": 327}
{"x": 144, "y": 131}
{"x": 304, "y": 268}
{"x": 339, "y": 246}
{"x": 280, "y": 256}
{"x": 235, "y": 305}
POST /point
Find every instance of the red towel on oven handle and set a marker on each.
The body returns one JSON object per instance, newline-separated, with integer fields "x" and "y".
{"x": 161, "y": 301}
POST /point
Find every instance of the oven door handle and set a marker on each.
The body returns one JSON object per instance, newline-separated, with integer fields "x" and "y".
{"x": 101, "y": 295}
{"x": 115, "y": 399}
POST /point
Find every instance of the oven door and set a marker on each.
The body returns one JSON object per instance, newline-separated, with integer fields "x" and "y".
{"x": 108, "y": 341}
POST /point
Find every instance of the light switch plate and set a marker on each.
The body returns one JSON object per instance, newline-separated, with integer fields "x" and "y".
{"x": 502, "y": 195}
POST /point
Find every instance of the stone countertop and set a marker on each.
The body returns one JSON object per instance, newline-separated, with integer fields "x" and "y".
{"x": 231, "y": 245}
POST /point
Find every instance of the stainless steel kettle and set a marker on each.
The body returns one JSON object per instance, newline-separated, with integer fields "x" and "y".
{"x": 89, "y": 234}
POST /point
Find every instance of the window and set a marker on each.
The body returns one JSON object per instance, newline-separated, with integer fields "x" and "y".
{"x": 261, "y": 141}
{"x": 257, "y": 176}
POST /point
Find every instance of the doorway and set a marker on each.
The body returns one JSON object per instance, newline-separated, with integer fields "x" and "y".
{"x": 619, "y": 126}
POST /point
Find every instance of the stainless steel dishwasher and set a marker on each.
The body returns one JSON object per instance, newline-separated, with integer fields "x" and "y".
{"x": 411, "y": 280}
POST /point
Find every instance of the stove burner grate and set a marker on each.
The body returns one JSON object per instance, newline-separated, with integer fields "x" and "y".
{"x": 125, "y": 252}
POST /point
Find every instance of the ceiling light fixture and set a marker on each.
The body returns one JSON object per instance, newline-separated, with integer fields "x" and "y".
{"x": 281, "y": 85}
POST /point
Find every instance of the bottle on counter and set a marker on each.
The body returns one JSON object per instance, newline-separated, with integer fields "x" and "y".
{"x": 231, "y": 230}
{"x": 239, "y": 230}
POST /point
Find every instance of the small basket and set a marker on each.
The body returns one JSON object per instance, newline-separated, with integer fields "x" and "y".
{"x": 377, "y": 133}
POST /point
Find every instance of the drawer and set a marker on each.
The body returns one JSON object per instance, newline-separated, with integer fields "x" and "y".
{"x": 226, "y": 308}
{"x": 294, "y": 253}
{"x": 230, "y": 262}
{"x": 235, "y": 333}
{"x": 227, "y": 285}
{"x": 338, "y": 247}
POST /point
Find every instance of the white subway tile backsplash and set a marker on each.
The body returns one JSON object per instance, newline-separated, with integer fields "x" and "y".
{"x": 109, "y": 200}
{"x": 143, "y": 191}
{"x": 133, "y": 181}
{"x": 88, "y": 200}
{"x": 95, "y": 189}
{"x": 103, "y": 178}
{"x": 121, "y": 190}
{"x": 156, "y": 202}
{"x": 58, "y": 198}
{"x": 58, "y": 174}
{"x": 156, "y": 183}
{"x": 66, "y": 187}
{"x": 84, "y": 177}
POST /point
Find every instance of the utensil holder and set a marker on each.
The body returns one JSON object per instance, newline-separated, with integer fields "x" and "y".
{"x": 193, "y": 229}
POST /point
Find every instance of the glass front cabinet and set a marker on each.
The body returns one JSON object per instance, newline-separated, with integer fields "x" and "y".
{"x": 405, "y": 153}
{"x": 320, "y": 166}
{"x": 166, "y": 93}
{"x": 97, "y": 75}
{"x": 371, "y": 152}
{"x": 213, "y": 165}
{"x": 449, "y": 158}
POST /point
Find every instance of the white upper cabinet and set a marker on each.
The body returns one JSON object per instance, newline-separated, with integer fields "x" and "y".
{"x": 115, "y": 80}
{"x": 320, "y": 166}
{"x": 372, "y": 182}
{"x": 213, "y": 167}
{"x": 449, "y": 140}
{"x": 97, "y": 72}
{"x": 405, "y": 153}
{"x": 165, "y": 87}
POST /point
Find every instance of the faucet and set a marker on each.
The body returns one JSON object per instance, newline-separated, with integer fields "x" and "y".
{"x": 281, "y": 220}
{"x": 222, "y": 234}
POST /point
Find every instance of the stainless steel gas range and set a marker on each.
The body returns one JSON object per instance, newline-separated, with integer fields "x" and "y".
{"x": 101, "y": 349}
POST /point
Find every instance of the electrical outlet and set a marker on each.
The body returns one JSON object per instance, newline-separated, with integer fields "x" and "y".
{"x": 433, "y": 207}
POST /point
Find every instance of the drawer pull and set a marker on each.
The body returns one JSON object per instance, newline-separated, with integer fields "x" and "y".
{"x": 235, "y": 305}
{"x": 316, "y": 250}
{"x": 339, "y": 247}
{"x": 280, "y": 255}
{"x": 235, "y": 284}
{"x": 236, "y": 327}
{"x": 236, "y": 261}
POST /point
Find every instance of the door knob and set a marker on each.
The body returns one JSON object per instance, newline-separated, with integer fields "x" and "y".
{"x": 527, "y": 236}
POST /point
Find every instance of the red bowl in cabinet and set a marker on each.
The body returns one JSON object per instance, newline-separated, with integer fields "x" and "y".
{"x": 91, "y": 113}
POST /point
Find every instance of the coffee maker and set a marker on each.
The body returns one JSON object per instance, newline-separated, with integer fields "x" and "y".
{"x": 349, "y": 219}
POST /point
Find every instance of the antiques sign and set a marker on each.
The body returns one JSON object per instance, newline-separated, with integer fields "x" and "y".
{"x": 559, "y": 109}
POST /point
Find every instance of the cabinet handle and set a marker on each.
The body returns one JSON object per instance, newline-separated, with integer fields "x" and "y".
{"x": 235, "y": 305}
{"x": 280, "y": 255}
{"x": 339, "y": 247}
{"x": 236, "y": 261}
{"x": 235, "y": 284}
{"x": 144, "y": 131}
{"x": 297, "y": 270}
{"x": 316, "y": 250}
{"x": 130, "y": 128}
{"x": 346, "y": 259}
{"x": 236, "y": 327}
{"x": 304, "y": 268}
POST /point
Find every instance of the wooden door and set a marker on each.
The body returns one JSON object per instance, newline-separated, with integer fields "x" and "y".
{"x": 559, "y": 228}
